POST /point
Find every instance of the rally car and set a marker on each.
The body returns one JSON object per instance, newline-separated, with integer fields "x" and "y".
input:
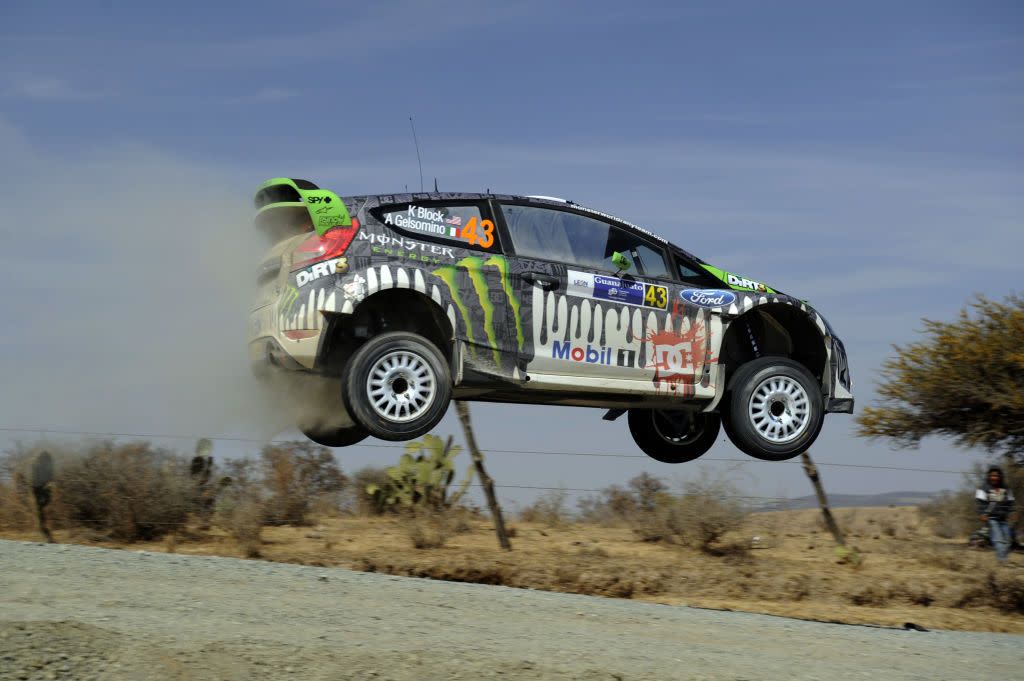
{"x": 399, "y": 303}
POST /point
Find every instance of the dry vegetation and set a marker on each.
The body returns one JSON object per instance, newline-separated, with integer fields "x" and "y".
{"x": 643, "y": 541}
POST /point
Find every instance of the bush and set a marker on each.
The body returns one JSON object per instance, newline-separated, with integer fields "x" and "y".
{"x": 617, "y": 504}
{"x": 548, "y": 508}
{"x": 367, "y": 504}
{"x": 16, "y": 505}
{"x": 951, "y": 514}
{"x": 295, "y": 474}
{"x": 707, "y": 510}
{"x": 127, "y": 492}
{"x": 428, "y": 529}
{"x": 999, "y": 589}
{"x": 242, "y": 517}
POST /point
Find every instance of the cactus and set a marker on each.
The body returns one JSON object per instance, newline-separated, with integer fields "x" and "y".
{"x": 422, "y": 477}
{"x": 201, "y": 471}
{"x": 42, "y": 476}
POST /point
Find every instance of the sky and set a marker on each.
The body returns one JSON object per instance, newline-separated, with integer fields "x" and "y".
{"x": 867, "y": 157}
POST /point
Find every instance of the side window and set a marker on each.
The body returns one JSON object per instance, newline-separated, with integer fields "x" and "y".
{"x": 690, "y": 272}
{"x": 556, "y": 235}
{"x": 577, "y": 239}
{"x": 652, "y": 260}
{"x": 463, "y": 225}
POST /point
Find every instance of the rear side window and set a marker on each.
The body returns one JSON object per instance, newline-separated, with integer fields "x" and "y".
{"x": 579, "y": 240}
{"x": 464, "y": 225}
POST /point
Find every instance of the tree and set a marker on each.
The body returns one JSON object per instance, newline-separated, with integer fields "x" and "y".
{"x": 965, "y": 380}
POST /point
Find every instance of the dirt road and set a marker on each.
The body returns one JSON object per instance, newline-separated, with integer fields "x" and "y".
{"x": 84, "y": 613}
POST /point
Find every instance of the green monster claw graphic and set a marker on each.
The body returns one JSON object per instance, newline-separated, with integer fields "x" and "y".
{"x": 288, "y": 300}
{"x": 502, "y": 265}
{"x": 473, "y": 266}
{"x": 447, "y": 274}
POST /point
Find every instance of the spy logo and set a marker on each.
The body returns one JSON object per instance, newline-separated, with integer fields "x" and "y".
{"x": 318, "y": 199}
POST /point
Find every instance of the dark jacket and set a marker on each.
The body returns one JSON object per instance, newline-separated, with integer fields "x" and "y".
{"x": 996, "y": 503}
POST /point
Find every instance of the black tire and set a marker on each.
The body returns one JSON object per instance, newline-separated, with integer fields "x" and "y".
{"x": 423, "y": 386}
{"x": 673, "y": 436}
{"x": 336, "y": 437}
{"x": 785, "y": 418}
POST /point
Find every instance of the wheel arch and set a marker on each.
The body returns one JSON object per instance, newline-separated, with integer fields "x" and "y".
{"x": 381, "y": 312}
{"x": 776, "y": 329}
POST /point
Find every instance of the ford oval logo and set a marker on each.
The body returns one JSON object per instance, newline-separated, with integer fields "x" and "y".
{"x": 708, "y": 297}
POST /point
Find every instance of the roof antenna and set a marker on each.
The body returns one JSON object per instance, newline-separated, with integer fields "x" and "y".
{"x": 416, "y": 142}
{"x": 435, "y": 185}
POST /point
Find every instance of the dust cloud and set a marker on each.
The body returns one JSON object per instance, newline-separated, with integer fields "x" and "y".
{"x": 128, "y": 274}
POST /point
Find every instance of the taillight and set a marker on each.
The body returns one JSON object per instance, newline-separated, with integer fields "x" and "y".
{"x": 317, "y": 248}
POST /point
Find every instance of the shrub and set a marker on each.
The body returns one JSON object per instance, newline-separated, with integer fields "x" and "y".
{"x": 548, "y": 508}
{"x": 127, "y": 492}
{"x": 366, "y": 504}
{"x": 708, "y": 509}
{"x": 17, "y": 506}
{"x": 242, "y": 518}
{"x": 999, "y": 589}
{"x": 951, "y": 514}
{"x": 711, "y": 509}
{"x": 428, "y": 529}
{"x": 295, "y": 474}
{"x": 621, "y": 504}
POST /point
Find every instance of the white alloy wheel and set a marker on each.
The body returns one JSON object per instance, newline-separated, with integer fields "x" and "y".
{"x": 779, "y": 409}
{"x": 401, "y": 386}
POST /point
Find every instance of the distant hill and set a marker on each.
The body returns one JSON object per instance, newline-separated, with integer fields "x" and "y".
{"x": 854, "y": 500}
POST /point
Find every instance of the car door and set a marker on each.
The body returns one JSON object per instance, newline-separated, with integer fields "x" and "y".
{"x": 584, "y": 317}
{"x": 474, "y": 286}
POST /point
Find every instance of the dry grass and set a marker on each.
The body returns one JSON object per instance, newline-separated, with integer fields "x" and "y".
{"x": 909, "y": 576}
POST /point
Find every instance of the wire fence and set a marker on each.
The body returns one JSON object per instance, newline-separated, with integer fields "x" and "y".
{"x": 46, "y": 430}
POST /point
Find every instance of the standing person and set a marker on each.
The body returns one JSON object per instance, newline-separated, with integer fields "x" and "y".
{"x": 995, "y": 503}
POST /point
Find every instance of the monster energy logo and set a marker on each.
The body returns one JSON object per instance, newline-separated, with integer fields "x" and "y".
{"x": 288, "y": 299}
{"x": 474, "y": 268}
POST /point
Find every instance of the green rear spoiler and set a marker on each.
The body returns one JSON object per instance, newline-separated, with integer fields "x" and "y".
{"x": 292, "y": 201}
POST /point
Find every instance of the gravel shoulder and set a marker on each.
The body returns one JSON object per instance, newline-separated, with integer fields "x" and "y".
{"x": 81, "y": 612}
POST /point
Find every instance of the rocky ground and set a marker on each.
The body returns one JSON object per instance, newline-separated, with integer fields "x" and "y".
{"x": 74, "y": 612}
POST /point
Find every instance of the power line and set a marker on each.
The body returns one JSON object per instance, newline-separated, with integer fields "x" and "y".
{"x": 56, "y": 431}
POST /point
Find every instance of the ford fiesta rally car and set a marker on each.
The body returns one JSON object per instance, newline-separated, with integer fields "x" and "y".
{"x": 402, "y": 302}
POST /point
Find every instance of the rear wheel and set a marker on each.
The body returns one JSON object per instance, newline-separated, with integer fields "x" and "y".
{"x": 775, "y": 409}
{"x": 336, "y": 437}
{"x": 397, "y": 386}
{"x": 673, "y": 436}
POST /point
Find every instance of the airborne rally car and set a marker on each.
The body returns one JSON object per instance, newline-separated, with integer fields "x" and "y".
{"x": 402, "y": 302}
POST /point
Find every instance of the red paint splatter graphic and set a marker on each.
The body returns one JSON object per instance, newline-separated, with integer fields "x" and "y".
{"x": 676, "y": 357}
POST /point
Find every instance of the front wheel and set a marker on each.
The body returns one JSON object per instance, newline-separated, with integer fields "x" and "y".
{"x": 775, "y": 409}
{"x": 673, "y": 436}
{"x": 397, "y": 386}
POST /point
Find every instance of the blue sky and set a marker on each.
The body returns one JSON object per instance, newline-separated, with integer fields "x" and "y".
{"x": 867, "y": 157}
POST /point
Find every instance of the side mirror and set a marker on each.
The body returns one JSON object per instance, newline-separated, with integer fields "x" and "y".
{"x": 621, "y": 261}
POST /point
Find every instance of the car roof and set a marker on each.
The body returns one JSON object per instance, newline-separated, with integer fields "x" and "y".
{"x": 375, "y": 200}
